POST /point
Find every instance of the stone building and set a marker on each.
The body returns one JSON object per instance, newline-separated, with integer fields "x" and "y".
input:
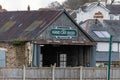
{"x": 43, "y": 38}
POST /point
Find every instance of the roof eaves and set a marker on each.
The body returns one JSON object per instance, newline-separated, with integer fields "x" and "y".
{"x": 105, "y": 8}
{"x": 88, "y": 8}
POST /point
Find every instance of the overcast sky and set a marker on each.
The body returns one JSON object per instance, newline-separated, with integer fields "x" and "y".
{"x": 12, "y": 5}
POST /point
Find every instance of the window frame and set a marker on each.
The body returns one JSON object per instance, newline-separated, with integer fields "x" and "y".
{"x": 2, "y": 58}
{"x": 102, "y": 34}
{"x": 63, "y": 60}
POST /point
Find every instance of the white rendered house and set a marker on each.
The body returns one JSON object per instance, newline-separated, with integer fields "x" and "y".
{"x": 98, "y": 10}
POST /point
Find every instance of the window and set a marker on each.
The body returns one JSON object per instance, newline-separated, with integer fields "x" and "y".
{"x": 2, "y": 58}
{"x": 63, "y": 60}
{"x": 104, "y": 46}
{"x": 102, "y": 34}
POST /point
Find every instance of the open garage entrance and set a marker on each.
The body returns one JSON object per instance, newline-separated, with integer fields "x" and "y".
{"x": 65, "y": 55}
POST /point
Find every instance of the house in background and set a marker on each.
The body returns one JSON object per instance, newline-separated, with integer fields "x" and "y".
{"x": 100, "y": 31}
{"x": 43, "y": 38}
{"x": 98, "y": 10}
{"x": 2, "y": 10}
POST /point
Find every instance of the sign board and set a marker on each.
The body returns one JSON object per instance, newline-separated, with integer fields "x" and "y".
{"x": 63, "y": 32}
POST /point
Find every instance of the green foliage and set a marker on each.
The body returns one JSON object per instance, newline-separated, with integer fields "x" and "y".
{"x": 17, "y": 42}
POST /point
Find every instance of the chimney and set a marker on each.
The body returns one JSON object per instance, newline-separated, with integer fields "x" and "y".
{"x": 28, "y": 8}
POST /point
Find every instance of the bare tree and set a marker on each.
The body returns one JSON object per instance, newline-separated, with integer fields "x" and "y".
{"x": 75, "y": 4}
{"x": 55, "y": 5}
{"x": 112, "y": 1}
{"x": 71, "y": 4}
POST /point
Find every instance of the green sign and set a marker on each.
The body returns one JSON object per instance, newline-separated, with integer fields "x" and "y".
{"x": 63, "y": 32}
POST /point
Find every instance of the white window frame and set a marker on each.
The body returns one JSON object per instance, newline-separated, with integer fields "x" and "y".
{"x": 63, "y": 60}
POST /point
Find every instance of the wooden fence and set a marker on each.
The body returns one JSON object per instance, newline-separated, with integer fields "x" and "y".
{"x": 69, "y": 73}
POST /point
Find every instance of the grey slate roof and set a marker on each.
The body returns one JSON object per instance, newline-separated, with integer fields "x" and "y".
{"x": 111, "y": 26}
{"x": 113, "y": 9}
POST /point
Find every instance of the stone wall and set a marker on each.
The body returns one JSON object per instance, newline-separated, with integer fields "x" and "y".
{"x": 16, "y": 55}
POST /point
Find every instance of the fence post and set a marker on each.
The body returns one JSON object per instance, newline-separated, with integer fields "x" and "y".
{"x": 23, "y": 72}
{"x": 107, "y": 72}
{"x": 109, "y": 61}
{"x": 80, "y": 72}
{"x": 53, "y": 71}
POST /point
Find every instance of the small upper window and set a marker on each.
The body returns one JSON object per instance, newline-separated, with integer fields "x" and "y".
{"x": 102, "y": 34}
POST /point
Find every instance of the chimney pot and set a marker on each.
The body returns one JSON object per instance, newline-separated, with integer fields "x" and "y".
{"x": 28, "y": 8}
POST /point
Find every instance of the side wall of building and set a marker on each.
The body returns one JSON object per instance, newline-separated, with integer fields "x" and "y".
{"x": 16, "y": 55}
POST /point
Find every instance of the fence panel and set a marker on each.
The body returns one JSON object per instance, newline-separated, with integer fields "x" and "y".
{"x": 94, "y": 73}
{"x": 69, "y": 73}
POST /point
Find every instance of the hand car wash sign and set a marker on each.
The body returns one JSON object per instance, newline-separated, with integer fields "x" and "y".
{"x": 63, "y": 32}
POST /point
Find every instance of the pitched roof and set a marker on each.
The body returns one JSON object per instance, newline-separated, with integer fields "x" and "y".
{"x": 110, "y": 26}
{"x": 27, "y": 24}
{"x": 114, "y": 9}
{"x": 92, "y": 5}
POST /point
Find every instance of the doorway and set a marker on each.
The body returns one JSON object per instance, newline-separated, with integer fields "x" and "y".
{"x": 64, "y": 55}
